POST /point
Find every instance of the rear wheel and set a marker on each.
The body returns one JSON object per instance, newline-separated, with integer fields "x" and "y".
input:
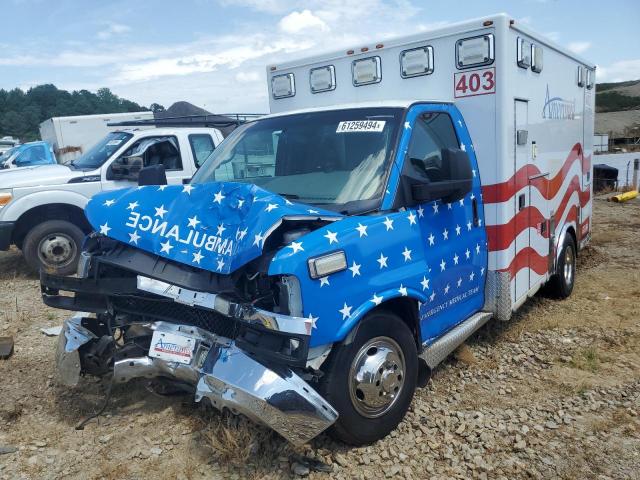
{"x": 54, "y": 246}
{"x": 371, "y": 381}
{"x": 561, "y": 284}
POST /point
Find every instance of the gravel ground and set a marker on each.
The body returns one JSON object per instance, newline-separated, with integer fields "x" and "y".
{"x": 554, "y": 393}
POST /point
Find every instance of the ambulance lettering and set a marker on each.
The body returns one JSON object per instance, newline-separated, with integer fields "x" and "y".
{"x": 198, "y": 239}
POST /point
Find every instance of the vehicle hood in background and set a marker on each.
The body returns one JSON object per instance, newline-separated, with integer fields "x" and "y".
{"x": 37, "y": 175}
{"x": 215, "y": 226}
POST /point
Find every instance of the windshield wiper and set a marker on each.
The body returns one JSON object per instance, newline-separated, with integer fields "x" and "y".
{"x": 293, "y": 196}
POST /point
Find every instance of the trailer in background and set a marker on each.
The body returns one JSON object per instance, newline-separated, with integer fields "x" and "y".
{"x": 601, "y": 143}
{"x": 70, "y": 137}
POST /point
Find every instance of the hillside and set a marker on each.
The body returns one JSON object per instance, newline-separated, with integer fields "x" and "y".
{"x": 22, "y": 112}
{"x": 613, "y": 97}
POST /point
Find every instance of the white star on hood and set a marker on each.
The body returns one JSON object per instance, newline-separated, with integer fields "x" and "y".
{"x": 407, "y": 254}
{"x": 313, "y": 320}
{"x": 104, "y": 229}
{"x": 134, "y": 237}
{"x": 382, "y": 260}
{"x": 403, "y": 290}
{"x": 133, "y": 206}
{"x": 220, "y": 265}
{"x": 376, "y": 299}
{"x": 388, "y": 223}
{"x": 221, "y": 229}
{"x": 412, "y": 218}
{"x": 271, "y": 206}
{"x": 424, "y": 282}
{"x": 193, "y": 221}
{"x": 108, "y": 203}
{"x": 187, "y": 189}
{"x": 324, "y": 281}
{"x": 166, "y": 247}
{"x": 197, "y": 256}
{"x": 160, "y": 211}
{"x": 218, "y": 197}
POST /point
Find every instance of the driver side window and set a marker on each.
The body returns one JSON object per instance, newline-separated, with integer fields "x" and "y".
{"x": 431, "y": 133}
{"x": 155, "y": 151}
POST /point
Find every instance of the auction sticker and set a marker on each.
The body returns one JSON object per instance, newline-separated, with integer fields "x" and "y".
{"x": 171, "y": 347}
{"x": 361, "y": 126}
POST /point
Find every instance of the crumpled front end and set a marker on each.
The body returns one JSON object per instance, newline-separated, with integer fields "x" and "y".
{"x": 215, "y": 367}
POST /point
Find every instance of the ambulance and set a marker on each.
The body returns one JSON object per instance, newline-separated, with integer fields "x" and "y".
{"x": 328, "y": 256}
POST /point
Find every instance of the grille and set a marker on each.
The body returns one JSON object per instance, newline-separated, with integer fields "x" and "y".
{"x": 169, "y": 311}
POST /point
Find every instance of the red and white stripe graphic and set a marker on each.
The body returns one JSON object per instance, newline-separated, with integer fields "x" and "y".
{"x": 560, "y": 193}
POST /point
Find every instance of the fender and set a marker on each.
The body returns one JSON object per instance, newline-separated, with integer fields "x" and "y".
{"x": 561, "y": 238}
{"x": 15, "y": 209}
{"x": 350, "y": 325}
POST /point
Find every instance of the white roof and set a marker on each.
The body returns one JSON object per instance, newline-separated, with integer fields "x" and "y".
{"x": 453, "y": 28}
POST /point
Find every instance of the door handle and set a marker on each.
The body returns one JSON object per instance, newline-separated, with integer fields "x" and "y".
{"x": 474, "y": 206}
{"x": 521, "y": 201}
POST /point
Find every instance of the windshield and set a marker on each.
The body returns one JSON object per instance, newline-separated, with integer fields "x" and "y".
{"x": 101, "y": 151}
{"x": 328, "y": 158}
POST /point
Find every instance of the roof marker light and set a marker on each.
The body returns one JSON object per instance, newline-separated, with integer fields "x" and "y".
{"x": 349, "y": 52}
{"x": 380, "y": 45}
{"x": 364, "y": 49}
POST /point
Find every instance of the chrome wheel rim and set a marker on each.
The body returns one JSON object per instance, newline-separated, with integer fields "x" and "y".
{"x": 57, "y": 250}
{"x": 376, "y": 377}
{"x": 569, "y": 260}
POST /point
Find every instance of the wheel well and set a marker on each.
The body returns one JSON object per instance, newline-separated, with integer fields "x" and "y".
{"x": 572, "y": 231}
{"x": 51, "y": 211}
{"x": 407, "y": 309}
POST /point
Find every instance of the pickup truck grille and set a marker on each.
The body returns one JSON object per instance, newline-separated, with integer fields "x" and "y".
{"x": 152, "y": 309}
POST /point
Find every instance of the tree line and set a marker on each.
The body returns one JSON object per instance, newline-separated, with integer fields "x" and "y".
{"x": 22, "y": 112}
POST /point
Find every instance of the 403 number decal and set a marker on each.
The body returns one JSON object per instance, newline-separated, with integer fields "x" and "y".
{"x": 474, "y": 82}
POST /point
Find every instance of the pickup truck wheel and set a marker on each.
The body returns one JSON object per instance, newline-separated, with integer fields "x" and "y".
{"x": 561, "y": 284}
{"x": 54, "y": 246}
{"x": 371, "y": 380}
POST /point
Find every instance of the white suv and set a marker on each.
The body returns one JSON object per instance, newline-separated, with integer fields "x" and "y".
{"x": 42, "y": 207}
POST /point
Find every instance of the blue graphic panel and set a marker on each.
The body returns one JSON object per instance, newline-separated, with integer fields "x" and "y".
{"x": 214, "y": 226}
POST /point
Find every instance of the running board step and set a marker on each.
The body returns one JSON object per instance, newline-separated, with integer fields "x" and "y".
{"x": 441, "y": 348}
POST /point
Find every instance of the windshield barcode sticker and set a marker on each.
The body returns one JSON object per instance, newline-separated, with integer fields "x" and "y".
{"x": 361, "y": 126}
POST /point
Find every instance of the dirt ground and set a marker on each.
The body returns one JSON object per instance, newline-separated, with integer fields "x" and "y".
{"x": 554, "y": 393}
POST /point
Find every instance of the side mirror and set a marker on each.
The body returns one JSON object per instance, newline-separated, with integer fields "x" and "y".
{"x": 126, "y": 168}
{"x": 456, "y": 183}
{"x": 152, "y": 175}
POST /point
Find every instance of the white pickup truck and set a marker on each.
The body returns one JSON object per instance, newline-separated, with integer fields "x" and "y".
{"x": 41, "y": 208}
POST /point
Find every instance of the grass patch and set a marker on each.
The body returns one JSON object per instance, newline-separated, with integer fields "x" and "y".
{"x": 588, "y": 359}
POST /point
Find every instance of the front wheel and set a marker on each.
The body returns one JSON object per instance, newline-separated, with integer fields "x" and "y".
{"x": 371, "y": 381}
{"x": 54, "y": 246}
{"x": 561, "y": 284}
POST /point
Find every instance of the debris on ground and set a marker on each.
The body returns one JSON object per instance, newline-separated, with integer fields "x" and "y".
{"x": 52, "y": 331}
{"x": 6, "y": 347}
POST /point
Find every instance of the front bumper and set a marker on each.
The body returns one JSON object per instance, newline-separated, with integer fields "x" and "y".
{"x": 6, "y": 231}
{"x": 220, "y": 372}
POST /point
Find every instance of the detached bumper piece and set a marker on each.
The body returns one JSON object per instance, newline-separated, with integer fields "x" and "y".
{"x": 219, "y": 371}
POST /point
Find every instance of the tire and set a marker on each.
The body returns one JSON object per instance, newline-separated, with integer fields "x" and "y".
{"x": 360, "y": 422}
{"x": 561, "y": 284}
{"x": 53, "y": 246}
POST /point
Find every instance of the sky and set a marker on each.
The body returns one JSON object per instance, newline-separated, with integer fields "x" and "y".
{"x": 213, "y": 53}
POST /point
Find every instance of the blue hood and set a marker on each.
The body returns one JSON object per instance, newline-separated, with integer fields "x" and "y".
{"x": 215, "y": 226}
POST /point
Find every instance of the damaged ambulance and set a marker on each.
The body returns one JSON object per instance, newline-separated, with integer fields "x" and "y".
{"x": 327, "y": 256}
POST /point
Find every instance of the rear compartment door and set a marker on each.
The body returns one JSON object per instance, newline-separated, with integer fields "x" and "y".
{"x": 522, "y": 148}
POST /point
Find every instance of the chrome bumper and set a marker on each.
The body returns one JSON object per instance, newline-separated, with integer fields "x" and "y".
{"x": 220, "y": 372}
